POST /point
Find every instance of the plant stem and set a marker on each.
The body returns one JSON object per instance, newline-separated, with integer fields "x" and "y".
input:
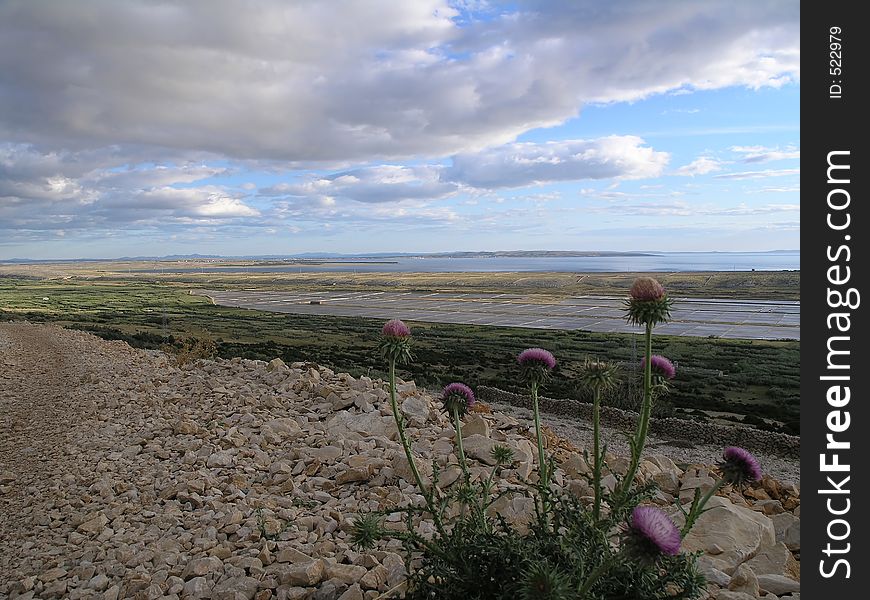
{"x": 458, "y": 424}
{"x": 541, "y": 463}
{"x": 400, "y": 425}
{"x": 596, "y": 440}
{"x": 698, "y": 508}
{"x": 645, "y": 411}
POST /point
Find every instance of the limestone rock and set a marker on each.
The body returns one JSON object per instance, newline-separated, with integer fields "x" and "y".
{"x": 744, "y": 580}
{"x": 739, "y": 531}
{"x": 775, "y": 560}
{"x": 778, "y": 584}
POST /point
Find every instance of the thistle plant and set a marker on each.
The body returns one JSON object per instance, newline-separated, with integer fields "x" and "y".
{"x": 738, "y": 467}
{"x": 395, "y": 346}
{"x": 457, "y": 399}
{"x": 566, "y": 550}
{"x": 598, "y": 377}
{"x": 648, "y": 305}
{"x": 536, "y": 364}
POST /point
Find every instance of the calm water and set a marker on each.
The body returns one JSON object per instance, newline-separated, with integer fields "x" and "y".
{"x": 671, "y": 261}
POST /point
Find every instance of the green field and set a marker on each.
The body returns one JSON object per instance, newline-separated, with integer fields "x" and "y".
{"x": 746, "y": 377}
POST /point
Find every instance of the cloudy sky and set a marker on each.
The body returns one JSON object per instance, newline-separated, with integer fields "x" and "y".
{"x": 146, "y": 127}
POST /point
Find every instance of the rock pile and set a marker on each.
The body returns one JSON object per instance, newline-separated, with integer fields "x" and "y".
{"x": 239, "y": 479}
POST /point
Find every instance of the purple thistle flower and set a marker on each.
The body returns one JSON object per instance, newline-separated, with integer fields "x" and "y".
{"x": 739, "y": 465}
{"x": 661, "y": 366}
{"x": 537, "y": 357}
{"x": 647, "y": 288}
{"x": 654, "y": 531}
{"x": 396, "y": 329}
{"x": 457, "y": 395}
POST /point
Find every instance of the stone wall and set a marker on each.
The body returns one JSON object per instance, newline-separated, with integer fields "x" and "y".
{"x": 754, "y": 440}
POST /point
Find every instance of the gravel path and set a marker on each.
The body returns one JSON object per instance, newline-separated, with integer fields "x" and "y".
{"x": 46, "y": 396}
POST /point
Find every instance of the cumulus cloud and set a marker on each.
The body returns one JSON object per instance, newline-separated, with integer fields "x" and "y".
{"x": 516, "y": 165}
{"x": 700, "y": 166}
{"x": 383, "y": 183}
{"x": 306, "y": 81}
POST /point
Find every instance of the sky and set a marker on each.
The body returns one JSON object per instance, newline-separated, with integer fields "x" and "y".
{"x": 149, "y": 128}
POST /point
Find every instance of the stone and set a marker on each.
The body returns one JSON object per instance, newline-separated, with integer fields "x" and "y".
{"x": 739, "y": 531}
{"x": 347, "y": 574}
{"x": 236, "y": 588}
{"x": 98, "y": 582}
{"x": 352, "y": 475}
{"x": 283, "y": 428}
{"x": 475, "y": 425}
{"x": 202, "y": 566}
{"x": 94, "y": 526}
{"x": 375, "y": 579}
{"x": 576, "y": 466}
{"x": 775, "y": 560}
{"x": 416, "y": 410}
{"x": 712, "y": 574}
{"x": 292, "y": 555}
{"x": 403, "y": 469}
{"x": 198, "y": 587}
{"x": 301, "y": 574}
{"x": 788, "y": 530}
{"x": 730, "y": 595}
{"x": 220, "y": 459}
{"x": 344, "y": 424}
{"x": 276, "y": 364}
{"x": 480, "y": 448}
{"x": 778, "y": 584}
{"x": 744, "y": 580}
{"x": 354, "y": 592}
{"x": 112, "y": 593}
{"x": 52, "y": 574}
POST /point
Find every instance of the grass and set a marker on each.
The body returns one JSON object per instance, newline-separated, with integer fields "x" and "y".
{"x": 747, "y": 377}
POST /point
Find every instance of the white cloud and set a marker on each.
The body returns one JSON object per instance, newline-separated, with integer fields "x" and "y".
{"x": 756, "y": 154}
{"x": 758, "y": 174}
{"x": 517, "y": 165}
{"x": 384, "y": 183}
{"x": 306, "y": 81}
{"x": 700, "y": 166}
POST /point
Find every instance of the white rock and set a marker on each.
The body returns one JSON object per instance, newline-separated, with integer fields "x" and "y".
{"x": 738, "y": 530}
{"x": 778, "y": 584}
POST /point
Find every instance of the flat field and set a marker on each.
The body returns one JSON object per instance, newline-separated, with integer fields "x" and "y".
{"x": 754, "y": 378}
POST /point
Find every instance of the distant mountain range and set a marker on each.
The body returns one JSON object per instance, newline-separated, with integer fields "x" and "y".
{"x": 339, "y": 256}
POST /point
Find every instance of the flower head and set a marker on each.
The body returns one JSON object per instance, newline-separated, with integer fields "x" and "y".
{"x": 598, "y": 375}
{"x": 739, "y": 465}
{"x": 660, "y": 366}
{"x": 395, "y": 328}
{"x": 646, "y": 288}
{"x": 652, "y": 532}
{"x": 536, "y": 363}
{"x": 457, "y": 396}
{"x": 395, "y": 343}
{"x": 648, "y": 303}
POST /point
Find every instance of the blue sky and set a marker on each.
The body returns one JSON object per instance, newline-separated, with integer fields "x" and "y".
{"x": 194, "y": 128}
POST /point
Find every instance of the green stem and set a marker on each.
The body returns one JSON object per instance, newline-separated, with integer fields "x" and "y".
{"x": 542, "y": 465}
{"x": 698, "y": 507}
{"x": 596, "y": 440}
{"x": 458, "y": 424}
{"x": 645, "y": 411}
{"x": 400, "y": 425}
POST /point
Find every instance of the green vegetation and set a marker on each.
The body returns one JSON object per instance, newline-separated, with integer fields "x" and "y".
{"x": 747, "y": 377}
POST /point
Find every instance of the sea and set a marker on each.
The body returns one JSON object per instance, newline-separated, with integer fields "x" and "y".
{"x": 658, "y": 262}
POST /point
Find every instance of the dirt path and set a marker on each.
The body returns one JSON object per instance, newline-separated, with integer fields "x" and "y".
{"x": 47, "y": 393}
